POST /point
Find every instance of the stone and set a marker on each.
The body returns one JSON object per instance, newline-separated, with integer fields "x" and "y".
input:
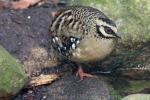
{"x": 12, "y": 76}
{"x": 137, "y": 97}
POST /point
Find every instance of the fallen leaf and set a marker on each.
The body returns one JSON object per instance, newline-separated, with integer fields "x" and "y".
{"x": 23, "y": 4}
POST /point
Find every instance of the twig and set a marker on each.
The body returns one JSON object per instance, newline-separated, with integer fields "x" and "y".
{"x": 43, "y": 79}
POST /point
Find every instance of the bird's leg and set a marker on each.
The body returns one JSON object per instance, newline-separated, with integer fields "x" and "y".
{"x": 82, "y": 74}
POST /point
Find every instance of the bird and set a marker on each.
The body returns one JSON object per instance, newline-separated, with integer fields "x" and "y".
{"x": 83, "y": 34}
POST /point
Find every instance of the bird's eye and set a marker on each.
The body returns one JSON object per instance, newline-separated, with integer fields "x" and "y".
{"x": 108, "y": 30}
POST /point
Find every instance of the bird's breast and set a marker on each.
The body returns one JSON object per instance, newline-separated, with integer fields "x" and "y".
{"x": 93, "y": 49}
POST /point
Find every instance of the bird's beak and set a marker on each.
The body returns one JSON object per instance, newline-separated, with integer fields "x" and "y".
{"x": 118, "y": 35}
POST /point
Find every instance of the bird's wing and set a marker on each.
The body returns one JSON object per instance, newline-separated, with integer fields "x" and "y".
{"x": 66, "y": 31}
{"x": 66, "y": 23}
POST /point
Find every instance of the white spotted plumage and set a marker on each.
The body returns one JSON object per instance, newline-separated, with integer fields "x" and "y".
{"x": 73, "y": 46}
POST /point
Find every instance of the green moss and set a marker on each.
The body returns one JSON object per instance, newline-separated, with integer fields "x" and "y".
{"x": 124, "y": 86}
{"x": 114, "y": 95}
{"x": 12, "y": 76}
{"x": 136, "y": 86}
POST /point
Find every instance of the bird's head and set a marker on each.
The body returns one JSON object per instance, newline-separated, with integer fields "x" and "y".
{"x": 106, "y": 28}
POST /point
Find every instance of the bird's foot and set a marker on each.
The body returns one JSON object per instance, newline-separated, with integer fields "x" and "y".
{"x": 82, "y": 74}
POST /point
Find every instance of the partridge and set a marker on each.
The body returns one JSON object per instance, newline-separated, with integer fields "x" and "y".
{"x": 83, "y": 34}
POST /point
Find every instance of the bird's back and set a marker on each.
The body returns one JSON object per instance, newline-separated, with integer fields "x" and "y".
{"x": 74, "y": 19}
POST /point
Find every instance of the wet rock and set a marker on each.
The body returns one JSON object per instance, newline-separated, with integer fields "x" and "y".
{"x": 69, "y": 87}
{"x": 12, "y": 76}
{"x": 25, "y": 35}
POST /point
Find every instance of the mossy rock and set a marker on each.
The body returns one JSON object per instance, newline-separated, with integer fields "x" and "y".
{"x": 12, "y": 76}
{"x": 137, "y": 97}
{"x": 122, "y": 87}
